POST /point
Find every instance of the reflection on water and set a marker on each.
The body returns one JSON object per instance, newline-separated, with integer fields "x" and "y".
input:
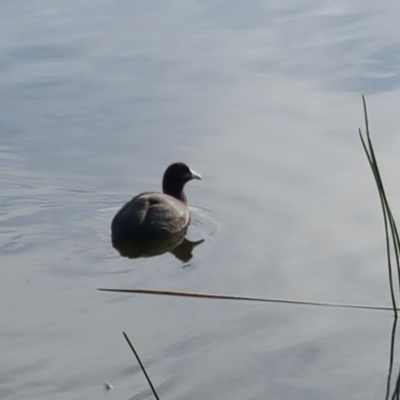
{"x": 178, "y": 245}
{"x": 395, "y": 394}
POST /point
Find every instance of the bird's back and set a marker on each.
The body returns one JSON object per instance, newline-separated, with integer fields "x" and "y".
{"x": 150, "y": 216}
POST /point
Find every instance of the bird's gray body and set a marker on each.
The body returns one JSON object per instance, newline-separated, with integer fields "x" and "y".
{"x": 149, "y": 216}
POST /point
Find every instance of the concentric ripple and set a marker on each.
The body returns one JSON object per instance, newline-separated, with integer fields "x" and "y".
{"x": 204, "y": 224}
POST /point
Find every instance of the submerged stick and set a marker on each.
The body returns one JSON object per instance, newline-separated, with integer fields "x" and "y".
{"x": 141, "y": 366}
{"x": 242, "y": 298}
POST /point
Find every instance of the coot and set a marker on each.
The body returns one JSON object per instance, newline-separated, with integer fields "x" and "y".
{"x": 153, "y": 215}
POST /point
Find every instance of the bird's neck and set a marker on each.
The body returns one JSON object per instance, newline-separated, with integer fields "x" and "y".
{"x": 178, "y": 193}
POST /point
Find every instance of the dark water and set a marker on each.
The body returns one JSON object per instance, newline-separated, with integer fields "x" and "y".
{"x": 263, "y": 99}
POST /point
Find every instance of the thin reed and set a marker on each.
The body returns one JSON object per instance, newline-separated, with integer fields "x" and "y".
{"x": 392, "y": 238}
{"x": 244, "y": 298}
{"x": 391, "y": 358}
{"x": 141, "y": 366}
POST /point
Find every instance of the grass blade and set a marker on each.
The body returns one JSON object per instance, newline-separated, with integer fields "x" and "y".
{"x": 387, "y": 214}
{"x": 242, "y": 298}
{"x": 391, "y": 357}
{"x": 141, "y": 366}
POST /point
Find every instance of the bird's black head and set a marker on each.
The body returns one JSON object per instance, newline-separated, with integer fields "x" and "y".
{"x": 175, "y": 177}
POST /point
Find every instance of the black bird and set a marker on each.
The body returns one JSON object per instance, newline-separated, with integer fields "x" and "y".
{"x": 153, "y": 215}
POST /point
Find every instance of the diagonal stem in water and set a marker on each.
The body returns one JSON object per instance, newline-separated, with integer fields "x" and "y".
{"x": 242, "y": 298}
{"x": 141, "y": 366}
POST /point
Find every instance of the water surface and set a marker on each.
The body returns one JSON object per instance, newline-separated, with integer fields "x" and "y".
{"x": 263, "y": 99}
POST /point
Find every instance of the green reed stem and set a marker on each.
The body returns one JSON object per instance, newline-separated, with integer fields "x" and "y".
{"x": 391, "y": 358}
{"x": 242, "y": 298}
{"x": 141, "y": 366}
{"x": 386, "y": 211}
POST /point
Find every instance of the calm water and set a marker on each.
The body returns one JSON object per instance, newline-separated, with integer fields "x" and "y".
{"x": 263, "y": 99}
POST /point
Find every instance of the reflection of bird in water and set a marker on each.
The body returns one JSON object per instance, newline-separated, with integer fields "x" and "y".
{"x": 178, "y": 245}
{"x": 183, "y": 251}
